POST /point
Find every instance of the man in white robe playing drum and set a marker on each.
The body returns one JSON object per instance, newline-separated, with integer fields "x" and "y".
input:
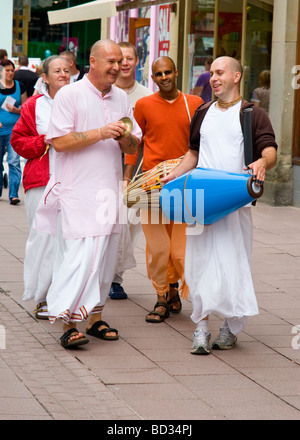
{"x": 218, "y": 260}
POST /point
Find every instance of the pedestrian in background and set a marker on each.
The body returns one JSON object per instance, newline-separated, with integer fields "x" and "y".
{"x": 261, "y": 95}
{"x": 26, "y": 76}
{"x": 12, "y": 96}
{"x": 202, "y": 87}
{"x": 75, "y": 72}
{"x": 3, "y": 55}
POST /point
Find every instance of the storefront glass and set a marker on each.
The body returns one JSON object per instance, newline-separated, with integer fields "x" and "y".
{"x": 201, "y": 37}
{"x": 226, "y": 36}
{"x": 142, "y": 44}
{"x": 230, "y": 24}
{"x": 33, "y": 36}
{"x": 258, "y": 43}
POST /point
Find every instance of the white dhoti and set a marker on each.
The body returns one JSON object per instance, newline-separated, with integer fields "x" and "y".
{"x": 82, "y": 276}
{"x": 39, "y": 253}
{"x": 218, "y": 261}
{"x": 218, "y": 270}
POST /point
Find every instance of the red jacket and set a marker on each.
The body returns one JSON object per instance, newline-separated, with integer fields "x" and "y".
{"x": 26, "y": 141}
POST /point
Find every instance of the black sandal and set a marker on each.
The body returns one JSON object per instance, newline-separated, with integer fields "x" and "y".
{"x": 162, "y": 316}
{"x": 66, "y": 343}
{"x": 174, "y": 299}
{"x": 102, "y": 334}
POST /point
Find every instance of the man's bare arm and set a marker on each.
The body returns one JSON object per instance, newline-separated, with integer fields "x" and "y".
{"x": 266, "y": 162}
{"x": 129, "y": 144}
{"x": 188, "y": 162}
{"x": 75, "y": 141}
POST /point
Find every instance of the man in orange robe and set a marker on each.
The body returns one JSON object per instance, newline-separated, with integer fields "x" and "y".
{"x": 164, "y": 119}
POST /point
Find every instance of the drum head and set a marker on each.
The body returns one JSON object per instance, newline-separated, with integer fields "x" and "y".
{"x": 254, "y": 190}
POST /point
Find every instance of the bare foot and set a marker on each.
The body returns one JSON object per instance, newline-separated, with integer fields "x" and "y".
{"x": 175, "y": 306}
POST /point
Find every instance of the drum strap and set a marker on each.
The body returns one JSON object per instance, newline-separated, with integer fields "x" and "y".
{"x": 248, "y": 146}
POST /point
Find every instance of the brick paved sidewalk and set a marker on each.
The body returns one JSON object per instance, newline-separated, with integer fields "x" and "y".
{"x": 149, "y": 374}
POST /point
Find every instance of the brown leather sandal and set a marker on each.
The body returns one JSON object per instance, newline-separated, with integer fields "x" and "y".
{"x": 174, "y": 299}
{"x": 67, "y": 343}
{"x": 41, "y": 311}
{"x": 162, "y": 316}
{"x": 102, "y": 334}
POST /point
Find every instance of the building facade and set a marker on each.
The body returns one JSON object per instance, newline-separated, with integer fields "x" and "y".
{"x": 263, "y": 34}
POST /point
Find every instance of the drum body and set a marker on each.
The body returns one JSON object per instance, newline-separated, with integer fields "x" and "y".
{"x": 207, "y": 195}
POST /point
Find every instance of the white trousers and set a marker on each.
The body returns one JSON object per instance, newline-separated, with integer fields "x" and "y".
{"x": 39, "y": 253}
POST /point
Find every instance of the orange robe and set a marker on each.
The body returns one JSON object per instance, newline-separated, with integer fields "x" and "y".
{"x": 165, "y": 128}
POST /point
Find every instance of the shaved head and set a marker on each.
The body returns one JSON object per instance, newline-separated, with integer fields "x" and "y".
{"x": 102, "y": 44}
{"x": 225, "y": 77}
{"x": 105, "y": 64}
{"x": 232, "y": 64}
{"x": 164, "y": 58}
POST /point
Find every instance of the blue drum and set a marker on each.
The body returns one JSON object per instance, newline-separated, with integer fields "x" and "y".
{"x": 206, "y": 195}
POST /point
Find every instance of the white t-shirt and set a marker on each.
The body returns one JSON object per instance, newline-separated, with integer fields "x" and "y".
{"x": 138, "y": 91}
{"x": 226, "y": 152}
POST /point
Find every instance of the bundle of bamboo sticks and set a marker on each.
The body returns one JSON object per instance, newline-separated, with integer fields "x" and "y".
{"x": 144, "y": 189}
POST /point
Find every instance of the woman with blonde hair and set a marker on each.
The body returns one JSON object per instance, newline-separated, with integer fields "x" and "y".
{"x": 261, "y": 95}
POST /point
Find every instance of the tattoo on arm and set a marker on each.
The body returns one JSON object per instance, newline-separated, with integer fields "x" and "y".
{"x": 79, "y": 136}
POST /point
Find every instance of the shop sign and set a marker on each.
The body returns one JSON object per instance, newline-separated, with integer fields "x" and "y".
{"x": 164, "y": 30}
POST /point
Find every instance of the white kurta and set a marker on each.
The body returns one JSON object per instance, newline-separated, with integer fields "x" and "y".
{"x": 218, "y": 261}
{"x": 85, "y": 187}
{"x": 85, "y": 190}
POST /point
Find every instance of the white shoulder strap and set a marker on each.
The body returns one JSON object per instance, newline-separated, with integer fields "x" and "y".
{"x": 187, "y": 107}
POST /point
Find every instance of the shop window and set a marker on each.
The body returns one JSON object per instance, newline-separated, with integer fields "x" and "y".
{"x": 34, "y": 37}
{"x": 142, "y": 43}
{"x": 230, "y": 24}
{"x": 258, "y": 44}
{"x": 20, "y": 28}
{"x": 201, "y": 38}
{"x": 216, "y": 29}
